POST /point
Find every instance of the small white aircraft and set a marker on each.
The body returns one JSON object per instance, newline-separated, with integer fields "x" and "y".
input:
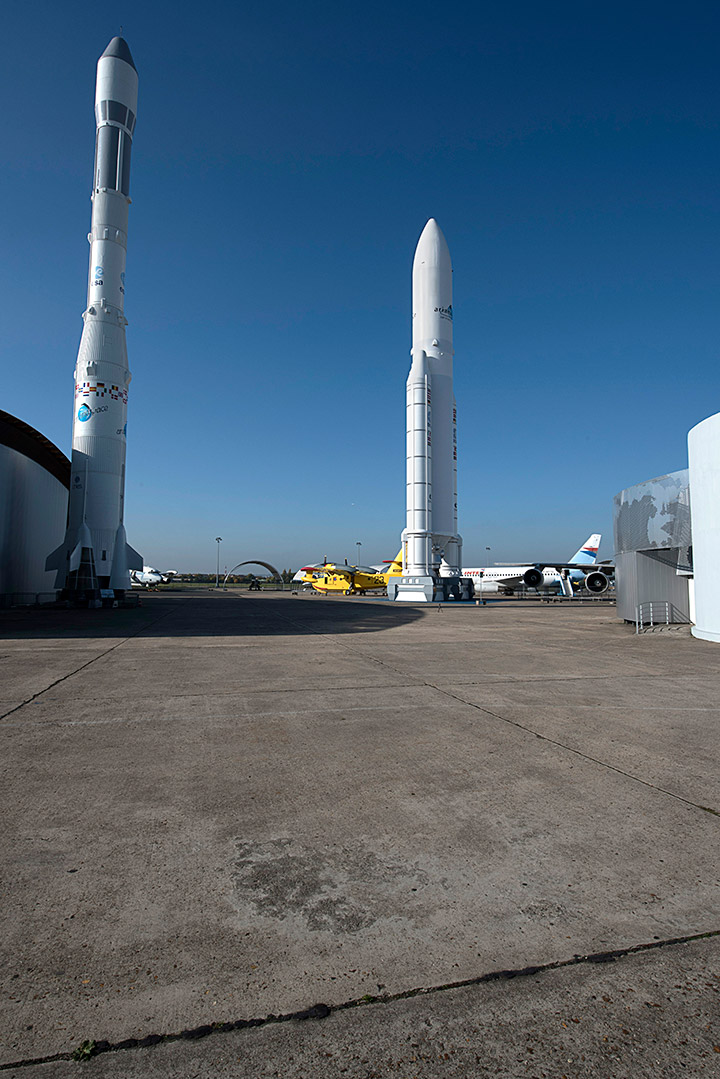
{"x": 150, "y": 578}
{"x": 583, "y": 570}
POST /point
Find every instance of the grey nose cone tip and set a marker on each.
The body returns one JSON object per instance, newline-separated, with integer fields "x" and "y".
{"x": 118, "y": 48}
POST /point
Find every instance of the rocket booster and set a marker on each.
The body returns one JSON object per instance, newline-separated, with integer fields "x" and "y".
{"x": 431, "y": 544}
{"x": 102, "y": 377}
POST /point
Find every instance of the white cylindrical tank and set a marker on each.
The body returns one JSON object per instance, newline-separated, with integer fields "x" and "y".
{"x": 704, "y": 472}
{"x": 417, "y": 538}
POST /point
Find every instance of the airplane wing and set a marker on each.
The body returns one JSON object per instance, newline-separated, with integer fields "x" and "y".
{"x": 586, "y": 567}
{"x": 341, "y": 571}
{"x": 330, "y": 567}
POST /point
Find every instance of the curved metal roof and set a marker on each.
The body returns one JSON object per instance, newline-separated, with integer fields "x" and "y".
{"x": 256, "y": 562}
{"x": 20, "y": 436}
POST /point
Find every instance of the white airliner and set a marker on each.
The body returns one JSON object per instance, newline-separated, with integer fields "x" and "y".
{"x": 582, "y": 569}
{"x": 150, "y": 577}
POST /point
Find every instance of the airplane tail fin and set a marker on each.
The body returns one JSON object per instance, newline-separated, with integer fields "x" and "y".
{"x": 395, "y": 567}
{"x": 588, "y": 551}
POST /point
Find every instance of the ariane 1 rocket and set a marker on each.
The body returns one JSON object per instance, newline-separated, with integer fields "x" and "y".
{"x": 432, "y": 548}
{"x": 95, "y": 554}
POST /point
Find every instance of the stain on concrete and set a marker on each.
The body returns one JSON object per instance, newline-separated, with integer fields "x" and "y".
{"x": 337, "y": 890}
{"x": 545, "y": 912}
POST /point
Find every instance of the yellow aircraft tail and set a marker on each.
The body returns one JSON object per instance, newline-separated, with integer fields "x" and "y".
{"x": 395, "y": 567}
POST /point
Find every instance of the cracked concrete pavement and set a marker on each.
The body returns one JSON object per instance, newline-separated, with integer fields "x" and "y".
{"x": 223, "y": 806}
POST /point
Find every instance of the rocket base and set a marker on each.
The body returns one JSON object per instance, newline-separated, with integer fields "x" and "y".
{"x": 430, "y": 589}
{"x": 91, "y": 599}
{"x": 414, "y": 589}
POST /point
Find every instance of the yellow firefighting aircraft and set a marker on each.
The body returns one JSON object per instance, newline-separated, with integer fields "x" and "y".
{"x": 349, "y": 580}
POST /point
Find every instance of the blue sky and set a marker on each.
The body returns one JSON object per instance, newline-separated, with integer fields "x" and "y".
{"x": 285, "y": 161}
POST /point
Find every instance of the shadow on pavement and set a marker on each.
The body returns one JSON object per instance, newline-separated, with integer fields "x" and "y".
{"x": 209, "y": 615}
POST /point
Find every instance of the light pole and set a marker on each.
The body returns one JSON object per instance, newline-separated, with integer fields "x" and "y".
{"x": 218, "y": 540}
{"x": 358, "y": 544}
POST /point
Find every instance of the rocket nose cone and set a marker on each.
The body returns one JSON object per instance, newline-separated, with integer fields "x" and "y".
{"x": 432, "y": 248}
{"x": 431, "y": 232}
{"x": 118, "y": 48}
{"x": 83, "y": 536}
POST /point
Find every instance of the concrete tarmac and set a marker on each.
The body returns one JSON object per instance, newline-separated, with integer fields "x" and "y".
{"x": 483, "y": 839}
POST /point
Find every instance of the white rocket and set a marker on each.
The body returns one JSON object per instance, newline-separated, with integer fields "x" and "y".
{"x": 95, "y": 553}
{"x": 432, "y": 548}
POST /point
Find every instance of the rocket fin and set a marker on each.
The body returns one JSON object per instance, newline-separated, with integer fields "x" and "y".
{"x": 81, "y": 570}
{"x": 84, "y": 541}
{"x": 134, "y": 560}
{"x": 125, "y": 558}
{"x": 56, "y": 558}
{"x": 75, "y": 557}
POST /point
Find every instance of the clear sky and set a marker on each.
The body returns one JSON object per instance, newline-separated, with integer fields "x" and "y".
{"x": 285, "y": 160}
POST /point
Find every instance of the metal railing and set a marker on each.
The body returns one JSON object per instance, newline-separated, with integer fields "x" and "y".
{"x": 658, "y": 613}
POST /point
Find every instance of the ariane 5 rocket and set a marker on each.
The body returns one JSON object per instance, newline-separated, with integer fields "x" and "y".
{"x": 432, "y": 548}
{"x": 95, "y": 554}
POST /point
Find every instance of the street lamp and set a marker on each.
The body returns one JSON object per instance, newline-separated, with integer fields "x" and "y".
{"x": 358, "y": 544}
{"x": 218, "y": 540}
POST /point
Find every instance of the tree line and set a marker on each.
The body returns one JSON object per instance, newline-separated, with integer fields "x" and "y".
{"x": 235, "y": 578}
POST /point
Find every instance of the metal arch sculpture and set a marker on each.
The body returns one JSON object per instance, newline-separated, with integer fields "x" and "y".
{"x": 253, "y": 562}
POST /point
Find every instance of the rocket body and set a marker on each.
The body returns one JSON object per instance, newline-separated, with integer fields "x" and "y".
{"x": 102, "y": 377}
{"x": 432, "y": 548}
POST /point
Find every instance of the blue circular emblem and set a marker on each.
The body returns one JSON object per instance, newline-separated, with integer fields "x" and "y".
{"x": 84, "y": 413}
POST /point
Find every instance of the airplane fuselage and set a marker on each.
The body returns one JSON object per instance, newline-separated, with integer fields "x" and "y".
{"x": 355, "y": 584}
{"x": 508, "y": 578}
{"x": 329, "y": 577}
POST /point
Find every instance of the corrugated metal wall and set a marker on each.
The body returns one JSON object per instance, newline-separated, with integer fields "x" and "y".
{"x": 652, "y": 541}
{"x": 640, "y": 578}
{"x": 33, "y": 513}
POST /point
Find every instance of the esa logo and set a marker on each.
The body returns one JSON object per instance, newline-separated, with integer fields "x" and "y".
{"x": 98, "y": 276}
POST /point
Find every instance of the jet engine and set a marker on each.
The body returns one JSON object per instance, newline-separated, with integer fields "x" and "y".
{"x": 596, "y": 582}
{"x": 534, "y": 578}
